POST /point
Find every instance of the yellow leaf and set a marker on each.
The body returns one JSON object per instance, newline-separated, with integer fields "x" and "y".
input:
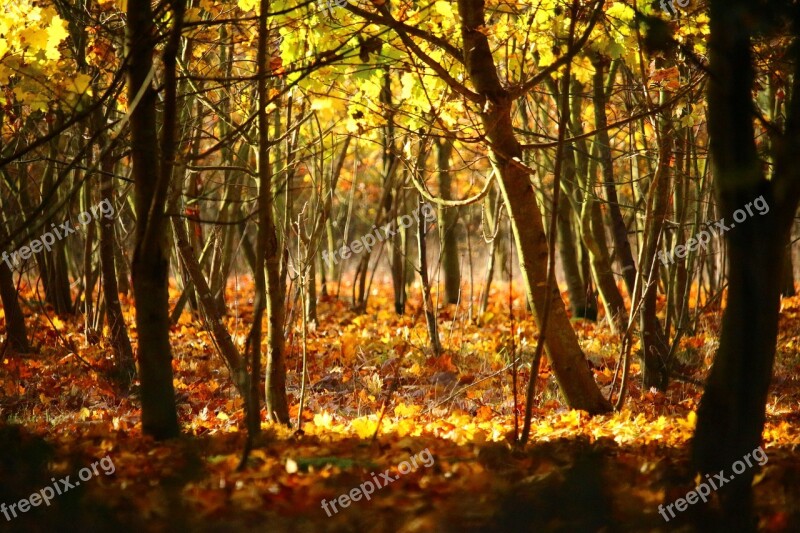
{"x": 248, "y": 5}
{"x": 404, "y": 410}
{"x": 444, "y": 9}
{"x": 364, "y": 427}
{"x": 56, "y": 32}
{"x": 80, "y": 84}
{"x": 323, "y": 420}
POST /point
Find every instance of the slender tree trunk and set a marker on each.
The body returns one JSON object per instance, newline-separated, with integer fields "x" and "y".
{"x": 150, "y": 259}
{"x": 427, "y": 301}
{"x": 311, "y": 292}
{"x": 654, "y": 343}
{"x": 268, "y": 251}
{"x": 568, "y": 244}
{"x": 593, "y": 232}
{"x": 592, "y": 229}
{"x": 208, "y": 306}
{"x": 88, "y": 279}
{"x": 121, "y": 261}
{"x": 125, "y": 367}
{"x": 448, "y": 218}
{"x": 622, "y": 245}
{"x": 56, "y": 274}
{"x": 493, "y": 204}
{"x": 399, "y": 256}
{"x": 568, "y": 361}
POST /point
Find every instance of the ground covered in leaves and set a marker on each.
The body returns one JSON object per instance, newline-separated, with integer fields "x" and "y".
{"x": 374, "y": 398}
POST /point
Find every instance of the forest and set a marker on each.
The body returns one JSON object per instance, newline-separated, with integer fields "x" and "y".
{"x": 399, "y": 265}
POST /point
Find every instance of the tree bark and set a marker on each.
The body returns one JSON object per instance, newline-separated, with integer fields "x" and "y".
{"x": 16, "y": 332}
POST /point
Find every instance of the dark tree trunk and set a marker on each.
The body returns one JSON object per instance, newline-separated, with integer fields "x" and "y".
{"x": 732, "y": 412}
{"x": 150, "y": 266}
{"x": 16, "y": 332}
{"x": 55, "y": 276}
{"x": 15, "y": 321}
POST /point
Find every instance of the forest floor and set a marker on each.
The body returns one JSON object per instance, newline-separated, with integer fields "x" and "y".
{"x": 452, "y": 416}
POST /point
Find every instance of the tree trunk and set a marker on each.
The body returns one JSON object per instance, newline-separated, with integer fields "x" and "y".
{"x": 268, "y": 251}
{"x": 16, "y": 332}
{"x": 622, "y": 246}
{"x": 592, "y": 229}
{"x": 208, "y": 306}
{"x": 568, "y": 244}
{"x": 568, "y": 361}
{"x": 448, "y": 218}
{"x": 55, "y": 276}
{"x": 125, "y": 367}
{"x": 654, "y": 343}
{"x": 150, "y": 266}
{"x": 493, "y": 205}
{"x": 594, "y": 237}
{"x": 427, "y": 301}
{"x": 311, "y": 291}
{"x": 732, "y": 412}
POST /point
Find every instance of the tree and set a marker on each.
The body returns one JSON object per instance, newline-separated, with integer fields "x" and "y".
{"x": 151, "y": 176}
{"x": 568, "y": 361}
{"x": 732, "y": 412}
{"x": 269, "y": 288}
